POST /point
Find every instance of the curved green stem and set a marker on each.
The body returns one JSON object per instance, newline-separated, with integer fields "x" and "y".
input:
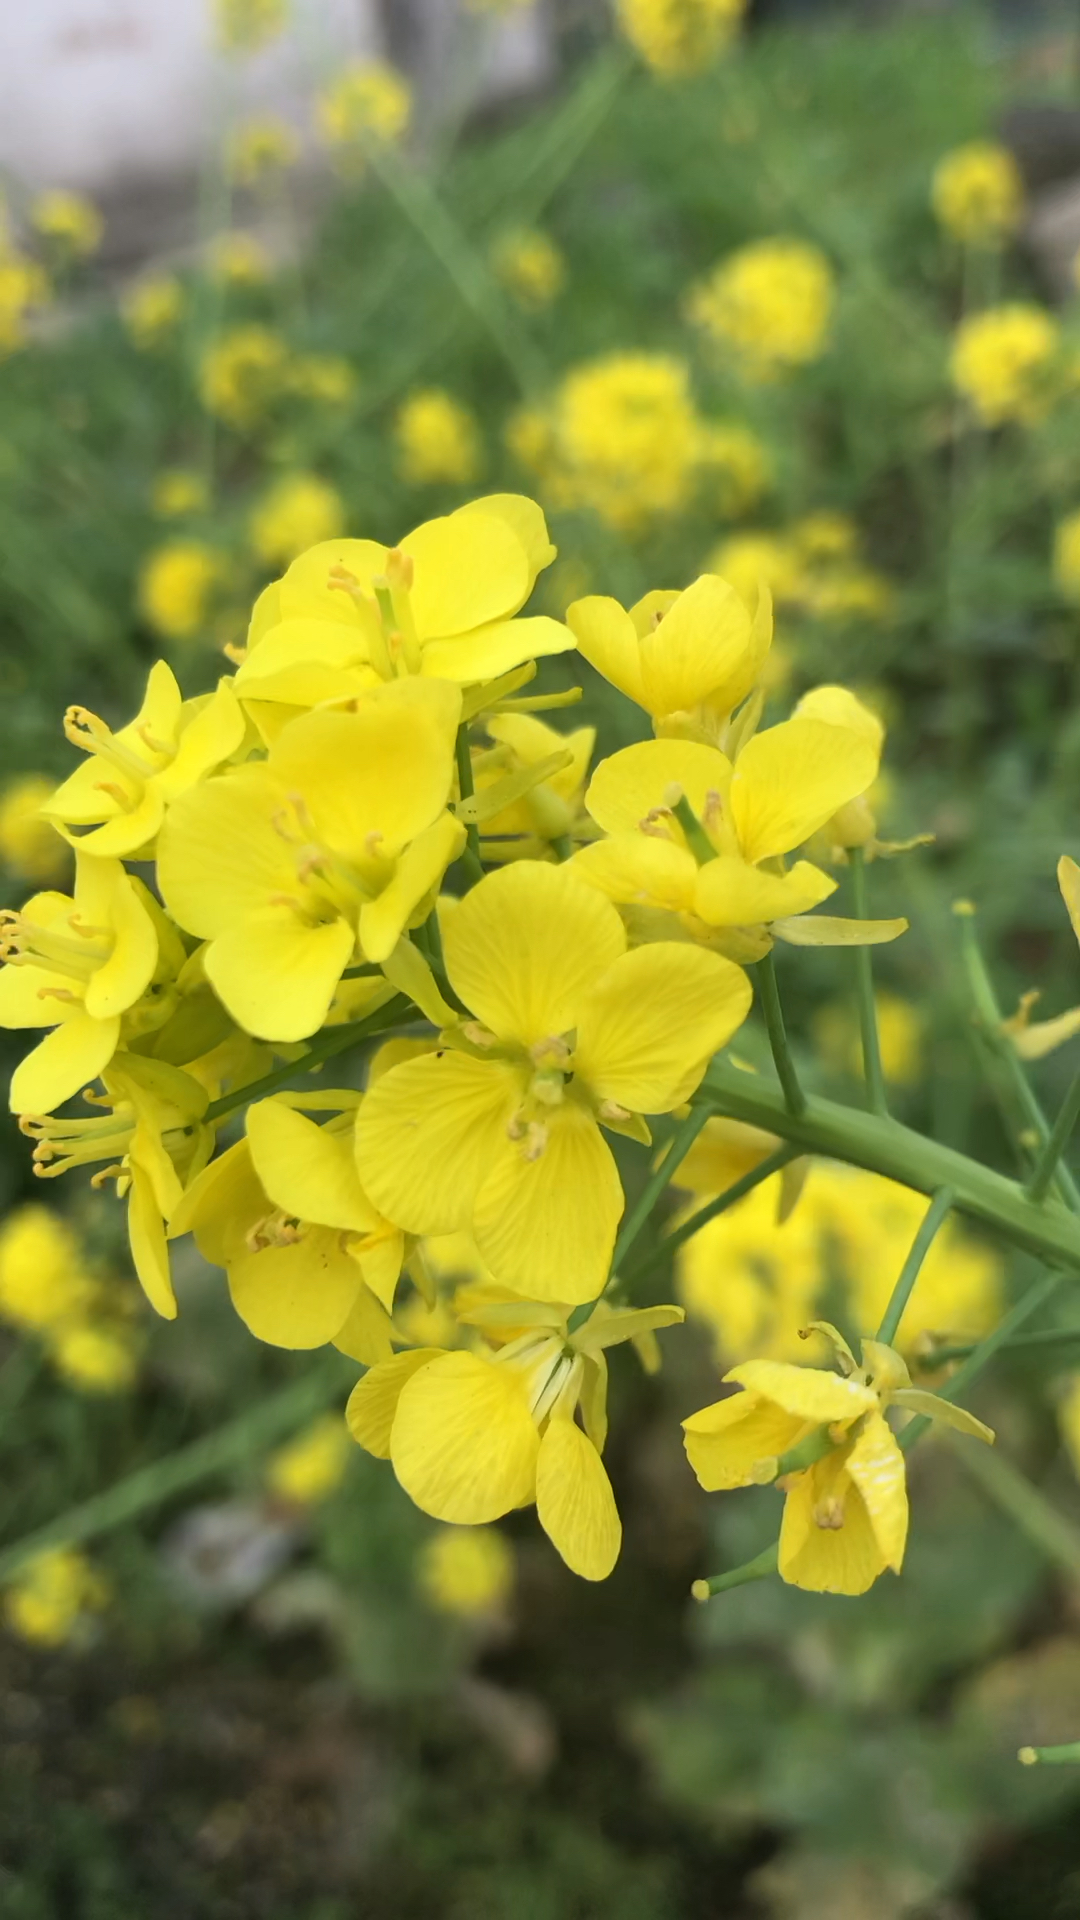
{"x": 864, "y": 989}
{"x": 940, "y": 1207}
{"x": 710, "y": 1211}
{"x": 331, "y": 1041}
{"x": 1059, "y": 1139}
{"x": 769, "y": 993}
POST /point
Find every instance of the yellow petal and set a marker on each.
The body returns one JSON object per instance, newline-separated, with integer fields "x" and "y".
{"x": 524, "y": 945}
{"x": 296, "y": 1296}
{"x": 823, "y": 930}
{"x": 305, "y": 590}
{"x": 408, "y": 971}
{"x": 149, "y": 1248}
{"x": 417, "y": 874}
{"x": 790, "y": 779}
{"x": 632, "y": 784}
{"x": 698, "y": 651}
{"x": 219, "y": 855}
{"x": 933, "y": 1407}
{"x": 489, "y": 651}
{"x": 373, "y": 1401}
{"x": 129, "y": 831}
{"x": 637, "y": 867}
{"x": 826, "y": 1558}
{"x": 277, "y": 975}
{"x": 126, "y": 974}
{"x": 427, "y": 1133}
{"x": 810, "y": 1392}
{"x": 648, "y": 1029}
{"x": 722, "y": 1153}
{"x": 876, "y": 1465}
{"x": 308, "y": 1171}
{"x": 624, "y": 1323}
{"x": 605, "y": 636}
{"x": 470, "y": 569}
{"x": 222, "y": 1203}
{"x": 546, "y": 1226}
{"x": 367, "y": 1333}
{"x": 725, "y": 1442}
{"x": 380, "y": 1257}
{"x": 464, "y": 1443}
{"x": 68, "y": 1059}
{"x": 574, "y": 1502}
{"x": 526, "y": 521}
{"x": 26, "y": 999}
{"x": 839, "y": 707}
{"x": 730, "y": 893}
{"x": 214, "y": 731}
{"x": 1068, "y": 877}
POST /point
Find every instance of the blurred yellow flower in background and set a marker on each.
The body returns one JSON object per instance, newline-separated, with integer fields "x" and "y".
{"x": 298, "y": 512}
{"x": 900, "y": 1035}
{"x": 367, "y": 100}
{"x": 679, "y": 37}
{"x": 96, "y": 1358}
{"x": 771, "y": 301}
{"x": 467, "y": 1571}
{"x": 312, "y": 1465}
{"x": 177, "y": 492}
{"x": 1002, "y": 362}
{"x": 261, "y": 149}
{"x": 1066, "y": 561}
{"x": 24, "y": 285}
{"x": 246, "y": 26}
{"x": 43, "y": 1277}
{"x": 151, "y": 310}
{"x": 239, "y": 260}
{"x": 977, "y": 193}
{"x": 243, "y": 374}
{"x": 176, "y": 587}
{"x": 530, "y": 266}
{"x": 52, "y": 1596}
{"x": 326, "y": 379}
{"x": 30, "y": 845}
{"x": 735, "y": 465}
{"x": 621, "y": 436}
{"x": 437, "y": 439}
{"x": 69, "y": 220}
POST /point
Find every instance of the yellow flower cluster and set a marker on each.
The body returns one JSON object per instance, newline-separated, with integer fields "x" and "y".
{"x": 152, "y": 310}
{"x": 678, "y": 37}
{"x": 813, "y": 568}
{"x": 437, "y": 439}
{"x": 1003, "y": 363}
{"x": 311, "y": 1467}
{"x": 262, "y": 149}
{"x": 68, "y": 221}
{"x": 24, "y": 286}
{"x": 530, "y": 266}
{"x": 250, "y": 372}
{"x": 977, "y": 193}
{"x": 298, "y": 511}
{"x": 770, "y": 304}
{"x": 362, "y": 828}
{"x": 53, "y": 1599}
{"x": 48, "y": 1288}
{"x": 367, "y": 101}
{"x": 246, "y": 26}
{"x": 176, "y": 586}
{"x": 30, "y": 846}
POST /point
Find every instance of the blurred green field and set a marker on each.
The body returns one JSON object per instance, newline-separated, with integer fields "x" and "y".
{"x": 281, "y": 1704}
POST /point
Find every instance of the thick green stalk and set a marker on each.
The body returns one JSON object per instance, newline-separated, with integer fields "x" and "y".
{"x": 150, "y": 1486}
{"x": 331, "y": 1041}
{"x": 737, "y": 1191}
{"x": 885, "y": 1146}
{"x": 769, "y": 992}
{"x": 1059, "y": 1139}
{"x": 471, "y": 857}
{"x": 940, "y": 1206}
{"x": 864, "y": 990}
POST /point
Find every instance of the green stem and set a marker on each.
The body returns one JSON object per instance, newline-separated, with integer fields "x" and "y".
{"x": 331, "y": 1041}
{"x": 1052, "y": 1337}
{"x": 981, "y": 1355}
{"x": 940, "y": 1207}
{"x": 562, "y": 846}
{"x": 696, "y": 837}
{"x": 470, "y": 859}
{"x": 864, "y": 989}
{"x": 1024, "y": 1504}
{"x": 757, "y": 1569}
{"x": 769, "y": 992}
{"x": 712, "y": 1209}
{"x": 1050, "y": 1756}
{"x": 1058, "y": 1141}
{"x": 150, "y": 1486}
{"x": 884, "y": 1146}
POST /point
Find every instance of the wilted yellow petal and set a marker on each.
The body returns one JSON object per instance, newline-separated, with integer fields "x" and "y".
{"x": 725, "y": 1442}
{"x": 822, "y": 930}
{"x": 933, "y": 1407}
{"x": 574, "y": 1501}
{"x": 810, "y": 1392}
{"x": 815, "y": 1552}
{"x": 876, "y": 1465}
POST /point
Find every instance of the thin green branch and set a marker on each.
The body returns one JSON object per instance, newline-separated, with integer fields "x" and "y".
{"x": 864, "y": 990}
{"x": 769, "y": 993}
{"x": 470, "y": 859}
{"x": 1025, "y": 1504}
{"x": 981, "y": 1356}
{"x": 710, "y": 1211}
{"x": 1061, "y": 1133}
{"x": 1053, "y": 1339}
{"x": 331, "y": 1041}
{"x": 939, "y": 1209}
{"x": 763, "y": 1564}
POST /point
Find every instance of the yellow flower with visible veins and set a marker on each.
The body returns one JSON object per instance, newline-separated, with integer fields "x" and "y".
{"x": 474, "y": 1435}
{"x": 498, "y": 1132}
{"x": 688, "y": 658}
{"x": 75, "y": 965}
{"x": 978, "y": 193}
{"x": 307, "y": 1257}
{"x": 119, "y": 796}
{"x": 351, "y": 614}
{"x": 325, "y": 852}
{"x": 720, "y": 867}
{"x": 845, "y": 1516}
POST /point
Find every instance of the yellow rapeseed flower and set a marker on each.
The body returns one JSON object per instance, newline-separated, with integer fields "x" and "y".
{"x": 437, "y": 439}
{"x": 176, "y": 587}
{"x": 530, "y": 266}
{"x": 243, "y": 375}
{"x": 239, "y": 260}
{"x": 474, "y": 1435}
{"x": 1066, "y": 562}
{"x": 178, "y": 492}
{"x": 368, "y": 100}
{"x": 620, "y": 436}
{"x": 735, "y": 465}
{"x": 678, "y": 37}
{"x": 69, "y": 220}
{"x": 550, "y": 809}
{"x": 1002, "y": 362}
{"x": 29, "y": 844}
{"x": 498, "y": 1132}
{"x": 24, "y": 285}
{"x": 772, "y": 302}
{"x": 312, "y": 1466}
{"x": 52, "y": 1596}
{"x": 900, "y": 1036}
{"x": 467, "y": 1571}
{"x": 977, "y": 193}
{"x": 152, "y": 309}
{"x": 96, "y": 1358}
{"x": 846, "y": 1516}
{"x": 299, "y": 511}
{"x": 246, "y": 26}
{"x": 43, "y": 1279}
{"x": 261, "y": 149}
{"x": 327, "y": 379}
